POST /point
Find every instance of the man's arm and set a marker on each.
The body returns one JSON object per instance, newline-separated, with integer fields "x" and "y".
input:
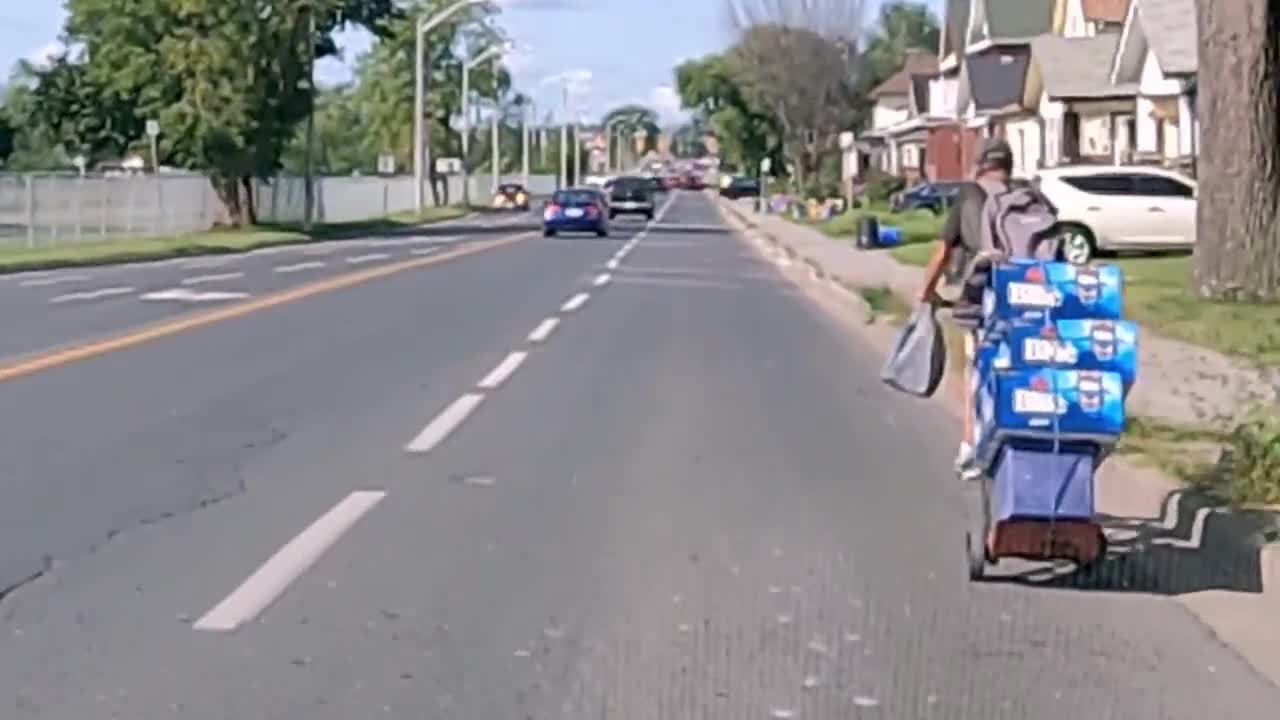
{"x": 948, "y": 239}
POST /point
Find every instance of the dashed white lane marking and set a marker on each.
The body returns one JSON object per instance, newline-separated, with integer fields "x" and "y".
{"x": 612, "y": 264}
{"x": 202, "y": 279}
{"x": 444, "y": 423}
{"x": 499, "y": 374}
{"x": 185, "y": 295}
{"x": 275, "y": 576}
{"x": 543, "y": 331}
{"x": 299, "y": 267}
{"x": 425, "y": 251}
{"x": 575, "y": 302}
{"x": 54, "y": 280}
{"x": 208, "y": 263}
{"x": 91, "y": 294}
{"x": 371, "y": 257}
{"x": 602, "y": 279}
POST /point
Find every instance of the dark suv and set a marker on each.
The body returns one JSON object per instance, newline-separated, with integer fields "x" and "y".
{"x": 631, "y": 196}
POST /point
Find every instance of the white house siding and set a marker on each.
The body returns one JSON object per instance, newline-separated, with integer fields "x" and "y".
{"x": 1023, "y": 135}
{"x": 884, "y": 117}
{"x": 943, "y": 95}
{"x": 1076, "y": 25}
{"x": 1153, "y": 84}
{"x": 1052, "y": 112}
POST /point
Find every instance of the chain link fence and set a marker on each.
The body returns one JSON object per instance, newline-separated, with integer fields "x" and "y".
{"x": 47, "y": 210}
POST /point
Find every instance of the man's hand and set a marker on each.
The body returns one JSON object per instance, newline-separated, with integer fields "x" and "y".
{"x": 930, "y": 296}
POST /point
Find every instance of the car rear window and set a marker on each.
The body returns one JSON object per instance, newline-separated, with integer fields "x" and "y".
{"x": 627, "y": 184}
{"x": 573, "y": 197}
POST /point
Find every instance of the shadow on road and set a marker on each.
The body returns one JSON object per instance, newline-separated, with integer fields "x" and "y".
{"x": 1195, "y": 546}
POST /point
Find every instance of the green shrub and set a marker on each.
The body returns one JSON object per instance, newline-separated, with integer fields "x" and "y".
{"x": 881, "y": 186}
{"x": 1253, "y": 460}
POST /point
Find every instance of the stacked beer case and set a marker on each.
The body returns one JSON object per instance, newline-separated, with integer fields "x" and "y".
{"x": 1054, "y": 363}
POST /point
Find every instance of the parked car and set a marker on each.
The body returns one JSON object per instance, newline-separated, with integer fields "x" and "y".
{"x": 1120, "y": 209}
{"x": 576, "y": 210}
{"x": 631, "y": 195}
{"x": 935, "y": 197}
{"x": 741, "y": 186}
{"x": 511, "y": 196}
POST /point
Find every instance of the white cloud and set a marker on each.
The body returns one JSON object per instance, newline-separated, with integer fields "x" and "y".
{"x": 42, "y": 56}
{"x": 666, "y": 102}
{"x": 519, "y": 60}
{"x": 578, "y": 81}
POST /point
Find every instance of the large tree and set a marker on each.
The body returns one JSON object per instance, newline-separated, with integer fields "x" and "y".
{"x": 227, "y": 80}
{"x": 629, "y": 121}
{"x": 1237, "y": 254}
{"x": 712, "y": 87}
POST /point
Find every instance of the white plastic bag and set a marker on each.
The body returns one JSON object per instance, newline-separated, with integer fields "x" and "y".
{"x": 919, "y": 358}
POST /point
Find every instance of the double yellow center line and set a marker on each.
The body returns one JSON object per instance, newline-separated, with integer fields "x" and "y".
{"x": 63, "y": 356}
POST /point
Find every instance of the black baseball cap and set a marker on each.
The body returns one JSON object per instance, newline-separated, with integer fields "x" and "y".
{"x": 995, "y": 152}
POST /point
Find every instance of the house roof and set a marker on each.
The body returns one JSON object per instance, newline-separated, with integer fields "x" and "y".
{"x": 953, "y": 39}
{"x": 1078, "y": 67}
{"x": 1170, "y": 30}
{"x": 917, "y": 62}
{"x": 1019, "y": 19}
{"x": 997, "y": 78}
{"x": 1112, "y": 11}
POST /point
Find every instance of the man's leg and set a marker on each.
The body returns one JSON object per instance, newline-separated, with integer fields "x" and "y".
{"x": 966, "y": 463}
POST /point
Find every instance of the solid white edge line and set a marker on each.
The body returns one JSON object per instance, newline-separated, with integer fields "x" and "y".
{"x": 91, "y": 294}
{"x": 367, "y": 258}
{"x": 274, "y": 577}
{"x": 543, "y": 331}
{"x": 54, "y": 280}
{"x": 612, "y": 264}
{"x": 499, "y": 374}
{"x": 575, "y": 302}
{"x": 425, "y": 251}
{"x": 439, "y": 428}
{"x": 602, "y": 279}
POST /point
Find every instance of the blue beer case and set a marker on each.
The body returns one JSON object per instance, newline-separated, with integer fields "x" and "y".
{"x": 1040, "y": 292}
{"x": 1107, "y": 345}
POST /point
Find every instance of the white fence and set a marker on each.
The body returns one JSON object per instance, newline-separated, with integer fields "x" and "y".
{"x": 48, "y": 210}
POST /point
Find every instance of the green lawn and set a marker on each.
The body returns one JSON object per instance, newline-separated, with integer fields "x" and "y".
{"x": 918, "y": 226}
{"x": 1158, "y": 295}
{"x": 19, "y": 258}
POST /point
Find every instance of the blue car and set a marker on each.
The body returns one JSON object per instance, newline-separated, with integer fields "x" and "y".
{"x": 576, "y": 210}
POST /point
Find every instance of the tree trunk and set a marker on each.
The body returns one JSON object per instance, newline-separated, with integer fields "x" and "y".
{"x": 1237, "y": 255}
{"x": 248, "y": 213}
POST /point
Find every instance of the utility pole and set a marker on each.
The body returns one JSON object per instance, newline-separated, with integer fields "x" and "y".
{"x": 494, "y": 141}
{"x": 524, "y": 144}
{"x": 466, "y": 134}
{"x": 577, "y": 150}
{"x": 309, "y": 184}
{"x": 564, "y": 141}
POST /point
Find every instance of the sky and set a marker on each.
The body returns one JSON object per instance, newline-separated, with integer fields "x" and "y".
{"x": 611, "y": 52}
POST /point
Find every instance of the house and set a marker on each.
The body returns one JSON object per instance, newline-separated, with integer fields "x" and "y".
{"x": 897, "y": 139}
{"x": 1082, "y": 116}
{"x": 1087, "y": 18}
{"x": 1158, "y": 51}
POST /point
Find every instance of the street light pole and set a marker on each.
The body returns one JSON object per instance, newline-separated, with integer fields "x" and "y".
{"x": 577, "y": 150}
{"x": 564, "y": 141}
{"x": 497, "y": 150}
{"x": 425, "y": 24}
{"x": 524, "y": 144}
{"x": 309, "y": 184}
{"x": 466, "y": 134}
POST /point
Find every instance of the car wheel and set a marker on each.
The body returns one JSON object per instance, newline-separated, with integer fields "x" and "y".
{"x": 1078, "y": 244}
{"x": 548, "y": 233}
{"x": 613, "y": 215}
{"x": 602, "y": 233}
{"x": 648, "y": 216}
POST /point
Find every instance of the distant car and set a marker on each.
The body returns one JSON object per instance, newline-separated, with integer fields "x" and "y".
{"x": 741, "y": 187}
{"x": 1120, "y": 209}
{"x": 693, "y": 181}
{"x": 631, "y": 195}
{"x": 511, "y": 196}
{"x": 576, "y": 210}
{"x": 656, "y": 185}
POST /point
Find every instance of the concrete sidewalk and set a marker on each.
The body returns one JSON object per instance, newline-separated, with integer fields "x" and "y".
{"x": 1165, "y": 539}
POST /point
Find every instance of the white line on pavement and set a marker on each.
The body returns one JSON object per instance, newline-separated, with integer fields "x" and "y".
{"x": 201, "y": 279}
{"x": 425, "y": 251}
{"x": 575, "y": 302}
{"x": 56, "y": 279}
{"x": 602, "y": 279}
{"x": 613, "y": 263}
{"x": 371, "y": 257}
{"x": 299, "y": 267}
{"x": 662, "y": 211}
{"x": 499, "y": 374}
{"x": 543, "y": 331}
{"x": 92, "y": 294}
{"x": 444, "y": 423}
{"x": 275, "y": 576}
{"x": 186, "y": 295}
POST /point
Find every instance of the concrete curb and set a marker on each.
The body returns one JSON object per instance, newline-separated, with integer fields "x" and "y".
{"x": 1218, "y": 549}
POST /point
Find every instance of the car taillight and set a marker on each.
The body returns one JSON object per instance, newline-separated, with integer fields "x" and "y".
{"x": 593, "y": 211}
{"x": 552, "y": 210}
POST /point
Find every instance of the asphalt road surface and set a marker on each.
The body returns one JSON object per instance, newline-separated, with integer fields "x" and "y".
{"x": 635, "y": 477}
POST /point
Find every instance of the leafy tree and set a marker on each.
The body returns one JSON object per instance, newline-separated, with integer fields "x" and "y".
{"x": 900, "y": 26}
{"x": 629, "y": 120}
{"x": 712, "y": 87}
{"x": 226, "y": 80}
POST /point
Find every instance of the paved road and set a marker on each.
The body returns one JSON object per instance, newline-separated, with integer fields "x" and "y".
{"x": 686, "y": 497}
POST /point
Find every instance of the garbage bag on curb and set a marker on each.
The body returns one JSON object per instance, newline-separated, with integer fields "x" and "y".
{"x": 919, "y": 357}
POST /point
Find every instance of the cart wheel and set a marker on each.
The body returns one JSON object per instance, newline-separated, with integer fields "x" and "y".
{"x": 976, "y": 550}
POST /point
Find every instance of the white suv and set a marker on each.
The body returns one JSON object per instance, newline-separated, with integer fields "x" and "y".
{"x": 1120, "y": 208}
